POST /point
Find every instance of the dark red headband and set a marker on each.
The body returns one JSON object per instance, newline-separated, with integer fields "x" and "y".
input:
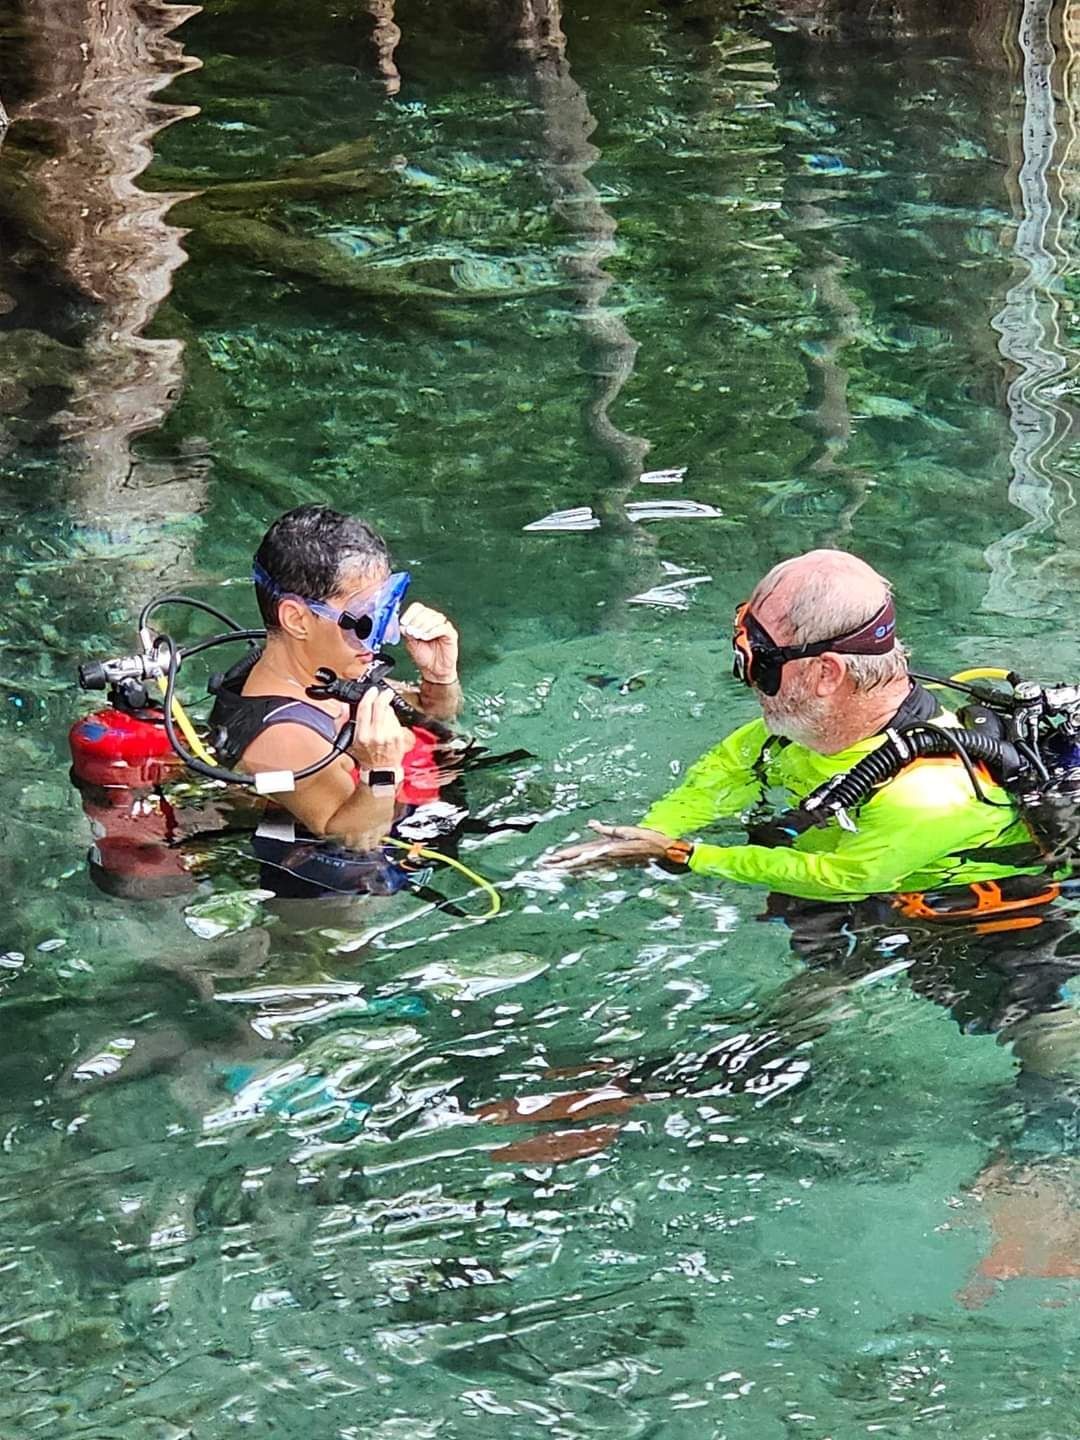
{"x": 876, "y": 637}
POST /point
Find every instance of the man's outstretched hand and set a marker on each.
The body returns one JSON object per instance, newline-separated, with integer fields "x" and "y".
{"x": 619, "y": 843}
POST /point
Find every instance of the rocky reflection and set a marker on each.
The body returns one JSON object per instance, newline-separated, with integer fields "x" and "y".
{"x": 534, "y": 33}
{"x": 385, "y": 37}
{"x": 985, "y": 22}
{"x": 90, "y": 257}
{"x": 535, "y": 30}
{"x": 1033, "y": 44}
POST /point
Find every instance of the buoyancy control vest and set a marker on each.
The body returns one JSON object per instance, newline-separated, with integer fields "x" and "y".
{"x": 236, "y": 719}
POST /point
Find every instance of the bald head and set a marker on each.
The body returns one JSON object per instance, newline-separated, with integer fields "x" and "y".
{"x": 825, "y": 593}
{"x": 816, "y": 595}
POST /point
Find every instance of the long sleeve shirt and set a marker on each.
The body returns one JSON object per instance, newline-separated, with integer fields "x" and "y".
{"x": 922, "y": 830}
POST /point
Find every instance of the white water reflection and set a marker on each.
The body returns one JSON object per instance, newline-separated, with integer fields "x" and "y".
{"x": 664, "y": 477}
{"x": 671, "y": 596}
{"x": 1032, "y": 322}
{"x": 581, "y": 517}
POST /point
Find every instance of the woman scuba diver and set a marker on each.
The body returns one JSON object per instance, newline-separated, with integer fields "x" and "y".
{"x": 306, "y": 718}
{"x": 330, "y": 602}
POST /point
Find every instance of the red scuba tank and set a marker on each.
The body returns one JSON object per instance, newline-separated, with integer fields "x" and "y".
{"x": 117, "y": 747}
{"x": 134, "y": 854}
{"x": 422, "y": 782}
{"x": 117, "y": 758}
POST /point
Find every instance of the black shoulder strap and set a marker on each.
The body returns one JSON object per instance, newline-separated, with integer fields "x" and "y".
{"x": 236, "y": 719}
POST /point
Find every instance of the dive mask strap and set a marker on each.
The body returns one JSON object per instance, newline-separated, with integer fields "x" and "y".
{"x": 262, "y": 578}
{"x": 759, "y": 661}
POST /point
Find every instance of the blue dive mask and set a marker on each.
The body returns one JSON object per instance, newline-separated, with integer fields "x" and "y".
{"x": 369, "y": 621}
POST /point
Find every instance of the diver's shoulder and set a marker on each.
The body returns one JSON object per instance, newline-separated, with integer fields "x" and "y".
{"x": 745, "y": 742}
{"x": 931, "y": 783}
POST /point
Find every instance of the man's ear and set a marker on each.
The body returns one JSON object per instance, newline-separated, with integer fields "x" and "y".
{"x": 831, "y": 674}
{"x": 294, "y": 618}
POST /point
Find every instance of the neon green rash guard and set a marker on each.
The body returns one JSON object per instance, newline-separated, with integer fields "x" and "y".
{"x": 923, "y": 830}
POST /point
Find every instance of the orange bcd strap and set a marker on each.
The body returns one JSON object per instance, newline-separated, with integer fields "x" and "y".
{"x": 1013, "y": 922}
{"x": 989, "y": 899}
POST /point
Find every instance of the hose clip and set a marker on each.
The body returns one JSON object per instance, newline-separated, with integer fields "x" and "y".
{"x": 903, "y": 749}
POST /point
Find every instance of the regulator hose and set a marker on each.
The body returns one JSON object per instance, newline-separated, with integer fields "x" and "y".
{"x": 338, "y": 748}
{"x": 900, "y": 747}
{"x": 159, "y": 601}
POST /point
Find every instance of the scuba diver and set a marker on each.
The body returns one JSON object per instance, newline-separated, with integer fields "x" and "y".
{"x": 917, "y": 833}
{"x": 344, "y": 784}
{"x": 351, "y": 774}
{"x": 817, "y": 644}
{"x": 330, "y": 602}
{"x": 921, "y": 840}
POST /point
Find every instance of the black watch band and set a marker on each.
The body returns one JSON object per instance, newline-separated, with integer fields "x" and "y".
{"x": 382, "y": 780}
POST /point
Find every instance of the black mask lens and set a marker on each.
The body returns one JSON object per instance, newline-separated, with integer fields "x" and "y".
{"x": 767, "y": 675}
{"x": 757, "y": 661}
{"x": 361, "y": 625}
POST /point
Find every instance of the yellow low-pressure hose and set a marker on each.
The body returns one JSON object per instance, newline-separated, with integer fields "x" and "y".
{"x": 494, "y": 898}
{"x": 980, "y": 672}
{"x": 182, "y": 718}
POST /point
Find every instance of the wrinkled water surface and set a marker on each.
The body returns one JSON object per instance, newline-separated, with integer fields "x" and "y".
{"x": 695, "y": 288}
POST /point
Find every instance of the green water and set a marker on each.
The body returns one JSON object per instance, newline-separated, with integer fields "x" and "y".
{"x": 693, "y": 238}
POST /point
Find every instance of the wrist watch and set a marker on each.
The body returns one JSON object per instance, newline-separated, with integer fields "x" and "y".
{"x": 382, "y": 782}
{"x": 677, "y": 855}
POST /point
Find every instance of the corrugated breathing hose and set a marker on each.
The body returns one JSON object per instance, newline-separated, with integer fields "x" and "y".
{"x": 900, "y": 747}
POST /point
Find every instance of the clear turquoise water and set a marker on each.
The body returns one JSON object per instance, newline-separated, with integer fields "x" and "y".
{"x": 239, "y": 1203}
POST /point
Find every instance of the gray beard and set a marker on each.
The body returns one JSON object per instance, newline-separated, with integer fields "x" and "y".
{"x": 795, "y": 723}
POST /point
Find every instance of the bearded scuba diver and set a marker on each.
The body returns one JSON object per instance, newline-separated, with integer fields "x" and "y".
{"x": 888, "y": 791}
{"x": 894, "y": 834}
{"x": 307, "y": 719}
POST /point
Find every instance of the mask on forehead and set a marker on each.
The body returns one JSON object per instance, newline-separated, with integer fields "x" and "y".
{"x": 758, "y": 661}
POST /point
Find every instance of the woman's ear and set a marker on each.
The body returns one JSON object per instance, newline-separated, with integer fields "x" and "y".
{"x": 831, "y": 673}
{"x": 294, "y": 618}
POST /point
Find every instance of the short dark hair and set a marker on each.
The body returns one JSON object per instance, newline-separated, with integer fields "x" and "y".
{"x": 305, "y": 551}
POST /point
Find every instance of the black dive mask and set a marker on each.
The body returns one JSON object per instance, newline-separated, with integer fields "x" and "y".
{"x": 757, "y": 660}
